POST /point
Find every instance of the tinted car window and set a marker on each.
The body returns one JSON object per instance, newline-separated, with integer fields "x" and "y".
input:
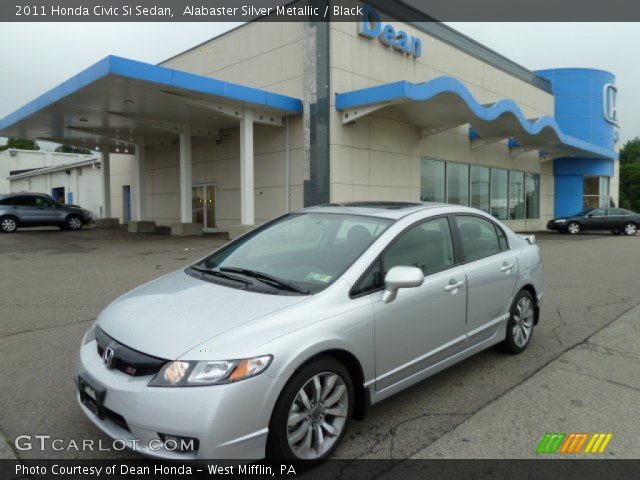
{"x": 371, "y": 281}
{"x": 24, "y": 201}
{"x": 479, "y": 237}
{"x": 598, "y": 212}
{"x": 44, "y": 202}
{"x": 428, "y": 246}
{"x": 502, "y": 239}
{"x": 618, "y": 211}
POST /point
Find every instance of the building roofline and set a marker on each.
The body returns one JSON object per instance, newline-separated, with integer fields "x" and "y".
{"x": 56, "y": 168}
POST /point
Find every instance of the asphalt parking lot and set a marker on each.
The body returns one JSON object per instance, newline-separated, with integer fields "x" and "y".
{"x": 54, "y": 283}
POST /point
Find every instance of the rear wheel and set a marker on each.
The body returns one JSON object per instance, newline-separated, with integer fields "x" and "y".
{"x": 520, "y": 325}
{"x": 8, "y": 224}
{"x": 630, "y": 229}
{"x": 312, "y": 414}
{"x": 73, "y": 222}
{"x": 574, "y": 228}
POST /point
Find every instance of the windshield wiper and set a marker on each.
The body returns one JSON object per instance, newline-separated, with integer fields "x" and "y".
{"x": 266, "y": 278}
{"x": 217, "y": 273}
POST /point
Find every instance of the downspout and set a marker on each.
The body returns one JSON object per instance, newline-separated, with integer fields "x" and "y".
{"x": 287, "y": 168}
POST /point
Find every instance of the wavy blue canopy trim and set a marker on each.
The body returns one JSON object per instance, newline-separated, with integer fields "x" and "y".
{"x": 404, "y": 91}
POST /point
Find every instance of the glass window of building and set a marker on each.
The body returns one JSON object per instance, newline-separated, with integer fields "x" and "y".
{"x": 457, "y": 183}
{"x": 591, "y": 189}
{"x": 605, "y": 196}
{"x": 516, "y": 195}
{"x": 432, "y": 180}
{"x": 499, "y": 188}
{"x": 479, "y": 188}
{"x": 532, "y": 193}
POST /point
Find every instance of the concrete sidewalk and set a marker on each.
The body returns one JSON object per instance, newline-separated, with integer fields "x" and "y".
{"x": 593, "y": 387}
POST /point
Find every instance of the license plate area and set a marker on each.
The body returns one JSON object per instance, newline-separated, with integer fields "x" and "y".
{"x": 92, "y": 396}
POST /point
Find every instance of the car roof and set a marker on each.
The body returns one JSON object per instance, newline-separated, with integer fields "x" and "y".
{"x": 382, "y": 209}
{"x": 23, "y": 194}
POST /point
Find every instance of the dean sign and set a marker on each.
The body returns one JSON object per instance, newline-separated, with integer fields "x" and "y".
{"x": 371, "y": 26}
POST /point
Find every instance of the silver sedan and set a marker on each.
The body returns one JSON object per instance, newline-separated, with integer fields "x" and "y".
{"x": 273, "y": 343}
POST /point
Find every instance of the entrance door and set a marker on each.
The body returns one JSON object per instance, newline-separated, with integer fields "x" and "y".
{"x": 126, "y": 203}
{"x": 203, "y": 205}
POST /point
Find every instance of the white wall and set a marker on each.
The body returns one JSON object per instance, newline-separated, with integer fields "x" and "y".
{"x": 219, "y": 163}
{"x": 85, "y": 183}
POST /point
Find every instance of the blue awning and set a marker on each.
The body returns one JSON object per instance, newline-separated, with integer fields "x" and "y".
{"x": 117, "y": 100}
{"x": 445, "y": 103}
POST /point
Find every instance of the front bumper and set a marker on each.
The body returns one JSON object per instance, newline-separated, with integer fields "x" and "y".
{"x": 551, "y": 225}
{"x": 230, "y": 421}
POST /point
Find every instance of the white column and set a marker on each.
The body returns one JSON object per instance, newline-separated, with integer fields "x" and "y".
{"x": 185, "y": 175}
{"x": 247, "y": 206}
{"x": 139, "y": 169}
{"x": 105, "y": 169}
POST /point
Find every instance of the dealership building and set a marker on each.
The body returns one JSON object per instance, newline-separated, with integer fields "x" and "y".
{"x": 221, "y": 138}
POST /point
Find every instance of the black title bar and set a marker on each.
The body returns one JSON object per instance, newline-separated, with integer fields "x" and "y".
{"x": 316, "y": 10}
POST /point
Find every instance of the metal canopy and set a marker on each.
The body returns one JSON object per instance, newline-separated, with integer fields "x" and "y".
{"x": 116, "y": 102}
{"x": 445, "y": 103}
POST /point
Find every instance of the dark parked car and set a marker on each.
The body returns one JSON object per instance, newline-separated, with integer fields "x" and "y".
{"x": 615, "y": 220}
{"x": 36, "y": 210}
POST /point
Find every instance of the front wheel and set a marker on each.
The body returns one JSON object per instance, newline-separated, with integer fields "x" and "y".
{"x": 8, "y": 224}
{"x": 73, "y": 222}
{"x": 574, "y": 228}
{"x": 630, "y": 229}
{"x": 312, "y": 414}
{"x": 520, "y": 325}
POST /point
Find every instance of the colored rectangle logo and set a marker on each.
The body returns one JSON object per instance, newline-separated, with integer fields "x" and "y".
{"x": 574, "y": 443}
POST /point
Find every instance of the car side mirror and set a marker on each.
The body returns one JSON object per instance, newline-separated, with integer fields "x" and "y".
{"x": 400, "y": 277}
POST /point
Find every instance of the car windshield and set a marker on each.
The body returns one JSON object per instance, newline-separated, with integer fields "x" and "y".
{"x": 304, "y": 252}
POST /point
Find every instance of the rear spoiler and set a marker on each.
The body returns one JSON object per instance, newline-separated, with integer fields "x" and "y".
{"x": 529, "y": 238}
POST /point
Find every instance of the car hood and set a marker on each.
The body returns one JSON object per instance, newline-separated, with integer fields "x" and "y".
{"x": 175, "y": 313}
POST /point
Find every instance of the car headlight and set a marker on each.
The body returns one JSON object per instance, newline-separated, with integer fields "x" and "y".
{"x": 182, "y": 373}
{"x": 560, "y": 220}
{"x": 90, "y": 335}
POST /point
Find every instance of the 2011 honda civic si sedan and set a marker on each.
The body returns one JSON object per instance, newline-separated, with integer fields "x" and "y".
{"x": 270, "y": 345}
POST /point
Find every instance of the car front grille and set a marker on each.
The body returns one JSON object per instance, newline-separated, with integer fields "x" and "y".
{"x": 126, "y": 359}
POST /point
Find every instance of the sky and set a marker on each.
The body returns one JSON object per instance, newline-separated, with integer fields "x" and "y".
{"x": 36, "y": 57}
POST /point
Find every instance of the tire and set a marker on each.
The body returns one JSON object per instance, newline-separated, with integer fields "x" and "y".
{"x": 519, "y": 326}
{"x": 574, "y": 228}
{"x": 8, "y": 224}
{"x": 298, "y": 403}
{"x": 73, "y": 222}
{"x": 630, "y": 229}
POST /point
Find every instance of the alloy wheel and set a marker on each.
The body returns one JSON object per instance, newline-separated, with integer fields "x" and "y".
{"x": 630, "y": 229}
{"x": 523, "y": 322}
{"x": 317, "y": 415}
{"x": 74, "y": 223}
{"x": 573, "y": 228}
{"x": 8, "y": 225}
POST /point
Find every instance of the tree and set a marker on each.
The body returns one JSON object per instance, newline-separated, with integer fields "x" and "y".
{"x": 20, "y": 143}
{"x": 72, "y": 149}
{"x": 630, "y": 175}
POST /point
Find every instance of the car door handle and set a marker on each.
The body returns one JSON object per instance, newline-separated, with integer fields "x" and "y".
{"x": 453, "y": 286}
{"x": 506, "y": 267}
